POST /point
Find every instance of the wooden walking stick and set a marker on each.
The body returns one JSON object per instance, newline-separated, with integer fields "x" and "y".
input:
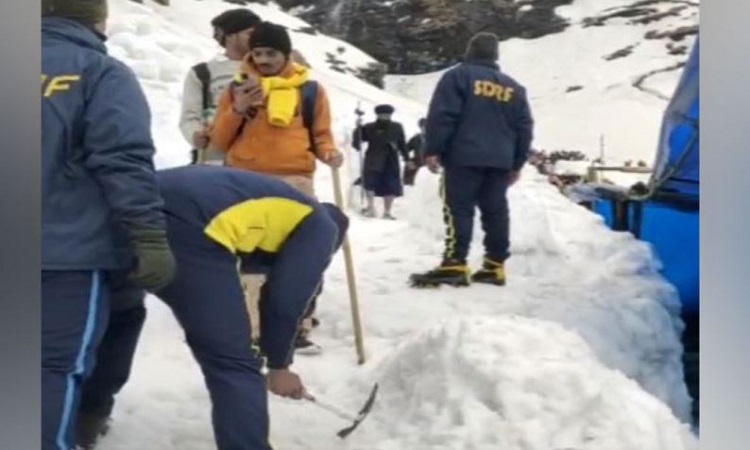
{"x": 356, "y": 322}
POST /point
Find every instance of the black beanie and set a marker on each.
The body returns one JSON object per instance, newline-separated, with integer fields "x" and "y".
{"x": 271, "y": 35}
{"x": 233, "y": 21}
{"x": 87, "y": 12}
{"x": 384, "y": 109}
{"x": 483, "y": 46}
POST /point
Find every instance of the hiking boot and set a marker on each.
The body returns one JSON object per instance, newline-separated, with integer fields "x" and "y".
{"x": 492, "y": 272}
{"x": 450, "y": 272}
{"x": 304, "y": 346}
{"x": 89, "y": 428}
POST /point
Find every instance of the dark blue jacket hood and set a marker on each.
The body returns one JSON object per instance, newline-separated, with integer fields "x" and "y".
{"x": 75, "y": 32}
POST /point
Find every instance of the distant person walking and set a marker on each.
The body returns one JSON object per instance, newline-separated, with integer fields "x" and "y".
{"x": 415, "y": 148}
{"x": 381, "y": 172}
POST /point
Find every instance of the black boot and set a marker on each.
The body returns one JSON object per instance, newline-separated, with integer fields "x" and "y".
{"x": 304, "y": 346}
{"x": 492, "y": 272}
{"x": 450, "y": 272}
{"x": 89, "y": 429}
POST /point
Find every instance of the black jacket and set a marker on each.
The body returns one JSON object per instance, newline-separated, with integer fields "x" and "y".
{"x": 385, "y": 140}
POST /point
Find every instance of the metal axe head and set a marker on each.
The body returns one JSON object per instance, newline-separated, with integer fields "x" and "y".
{"x": 361, "y": 415}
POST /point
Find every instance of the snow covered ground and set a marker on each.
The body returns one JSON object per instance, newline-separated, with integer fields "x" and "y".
{"x": 579, "y": 351}
{"x": 608, "y": 111}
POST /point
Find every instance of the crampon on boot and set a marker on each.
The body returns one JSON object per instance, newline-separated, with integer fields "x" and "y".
{"x": 492, "y": 272}
{"x": 451, "y": 273}
{"x": 89, "y": 429}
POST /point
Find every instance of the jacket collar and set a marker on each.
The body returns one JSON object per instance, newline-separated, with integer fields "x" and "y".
{"x": 484, "y": 63}
{"x": 75, "y": 32}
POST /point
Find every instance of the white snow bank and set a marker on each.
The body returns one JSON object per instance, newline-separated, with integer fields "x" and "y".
{"x": 567, "y": 267}
{"x": 511, "y": 383}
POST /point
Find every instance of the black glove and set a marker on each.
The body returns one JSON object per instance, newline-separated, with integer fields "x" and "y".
{"x": 155, "y": 265}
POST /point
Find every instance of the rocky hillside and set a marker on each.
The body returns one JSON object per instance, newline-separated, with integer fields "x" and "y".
{"x": 418, "y": 36}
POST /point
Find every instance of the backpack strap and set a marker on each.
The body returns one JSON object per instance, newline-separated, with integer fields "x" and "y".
{"x": 204, "y": 75}
{"x": 309, "y": 96}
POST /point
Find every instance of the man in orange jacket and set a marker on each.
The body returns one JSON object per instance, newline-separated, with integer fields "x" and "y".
{"x": 261, "y": 126}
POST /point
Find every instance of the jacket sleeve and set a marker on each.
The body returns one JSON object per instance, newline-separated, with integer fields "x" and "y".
{"x": 359, "y": 137}
{"x": 119, "y": 147}
{"x": 446, "y": 108}
{"x": 524, "y": 132}
{"x": 227, "y": 124}
{"x": 321, "y": 132}
{"x": 191, "y": 114}
{"x": 290, "y": 287}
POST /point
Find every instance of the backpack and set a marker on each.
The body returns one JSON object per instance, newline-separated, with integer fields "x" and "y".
{"x": 309, "y": 96}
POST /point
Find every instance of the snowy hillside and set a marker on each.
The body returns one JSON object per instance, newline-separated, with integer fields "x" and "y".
{"x": 603, "y": 99}
{"x": 580, "y": 350}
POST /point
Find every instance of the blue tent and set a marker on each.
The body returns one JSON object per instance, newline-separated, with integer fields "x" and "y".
{"x": 665, "y": 212}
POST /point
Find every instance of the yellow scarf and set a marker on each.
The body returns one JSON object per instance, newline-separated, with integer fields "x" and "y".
{"x": 283, "y": 95}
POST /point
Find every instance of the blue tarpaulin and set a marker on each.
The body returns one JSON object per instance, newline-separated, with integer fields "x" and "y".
{"x": 677, "y": 162}
{"x": 668, "y": 217}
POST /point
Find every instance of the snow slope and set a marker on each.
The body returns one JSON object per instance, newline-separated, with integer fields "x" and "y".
{"x": 608, "y": 105}
{"x": 580, "y": 350}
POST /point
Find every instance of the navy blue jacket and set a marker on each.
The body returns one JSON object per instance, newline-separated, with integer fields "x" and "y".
{"x": 98, "y": 177}
{"x": 268, "y": 225}
{"x": 479, "y": 117}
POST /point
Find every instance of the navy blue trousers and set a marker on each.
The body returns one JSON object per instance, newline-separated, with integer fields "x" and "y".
{"x": 75, "y": 307}
{"x": 464, "y": 189}
{"x": 114, "y": 358}
{"x": 207, "y": 299}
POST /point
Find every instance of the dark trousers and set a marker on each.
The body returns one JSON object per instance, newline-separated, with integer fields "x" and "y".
{"x": 206, "y": 298}
{"x": 115, "y": 356}
{"x": 465, "y": 188}
{"x": 75, "y": 307}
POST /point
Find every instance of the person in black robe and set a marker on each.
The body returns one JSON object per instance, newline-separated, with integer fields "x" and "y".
{"x": 381, "y": 171}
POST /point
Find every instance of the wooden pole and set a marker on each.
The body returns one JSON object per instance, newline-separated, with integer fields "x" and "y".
{"x": 350, "y": 278}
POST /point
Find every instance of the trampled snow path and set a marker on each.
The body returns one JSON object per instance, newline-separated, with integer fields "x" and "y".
{"x": 615, "y": 307}
{"x": 580, "y": 296}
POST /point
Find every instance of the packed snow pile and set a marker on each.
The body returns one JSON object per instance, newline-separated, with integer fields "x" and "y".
{"x": 512, "y": 383}
{"x": 569, "y": 268}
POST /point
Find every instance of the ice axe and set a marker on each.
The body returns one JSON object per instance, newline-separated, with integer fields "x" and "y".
{"x": 355, "y": 419}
